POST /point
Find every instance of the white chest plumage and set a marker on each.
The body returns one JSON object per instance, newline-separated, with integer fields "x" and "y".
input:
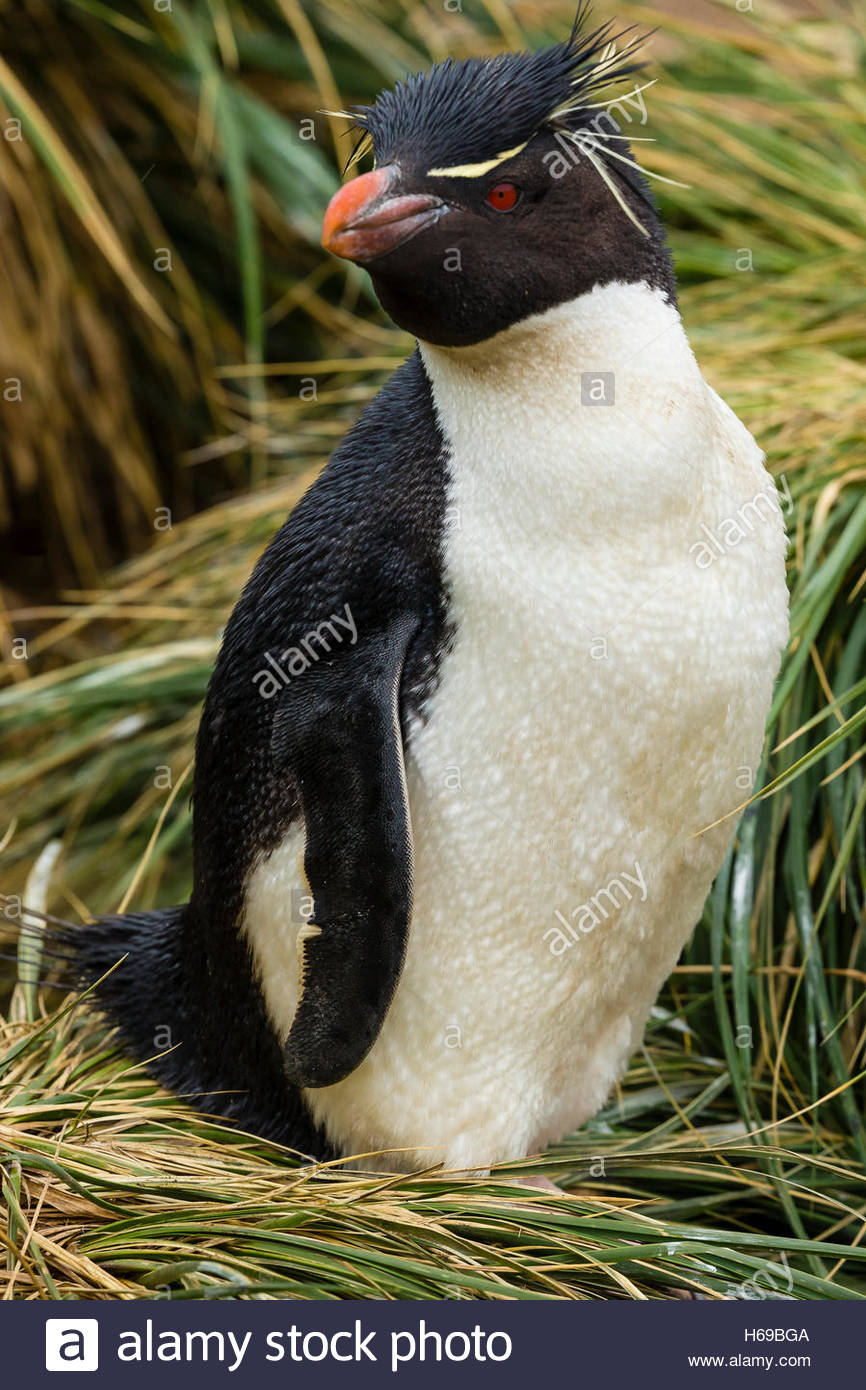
{"x": 615, "y": 560}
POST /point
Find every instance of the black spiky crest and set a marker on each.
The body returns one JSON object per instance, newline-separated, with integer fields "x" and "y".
{"x": 478, "y": 108}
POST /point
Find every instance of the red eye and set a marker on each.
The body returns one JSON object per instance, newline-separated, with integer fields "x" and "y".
{"x": 503, "y": 197}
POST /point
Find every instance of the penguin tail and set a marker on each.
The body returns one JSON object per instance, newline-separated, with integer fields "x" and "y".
{"x": 132, "y": 964}
{"x": 215, "y": 1051}
{"x": 131, "y": 967}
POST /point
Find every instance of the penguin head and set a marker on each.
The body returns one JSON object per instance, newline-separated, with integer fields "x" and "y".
{"x": 502, "y": 187}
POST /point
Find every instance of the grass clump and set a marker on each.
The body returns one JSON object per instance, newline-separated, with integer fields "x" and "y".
{"x": 731, "y": 1160}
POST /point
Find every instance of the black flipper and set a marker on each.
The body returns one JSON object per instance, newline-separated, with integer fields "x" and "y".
{"x": 345, "y": 751}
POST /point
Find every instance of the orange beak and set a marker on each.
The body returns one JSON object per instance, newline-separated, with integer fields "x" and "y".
{"x": 362, "y": 222}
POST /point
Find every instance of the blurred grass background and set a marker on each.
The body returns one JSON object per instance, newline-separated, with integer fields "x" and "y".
{"x": 177, "y": 359}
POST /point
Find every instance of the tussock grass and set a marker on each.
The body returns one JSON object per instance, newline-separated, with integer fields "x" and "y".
{"x": 732, "y": 1159}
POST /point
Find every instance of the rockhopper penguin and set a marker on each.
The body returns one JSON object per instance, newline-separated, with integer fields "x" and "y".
{"x": 484, "y": 691}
